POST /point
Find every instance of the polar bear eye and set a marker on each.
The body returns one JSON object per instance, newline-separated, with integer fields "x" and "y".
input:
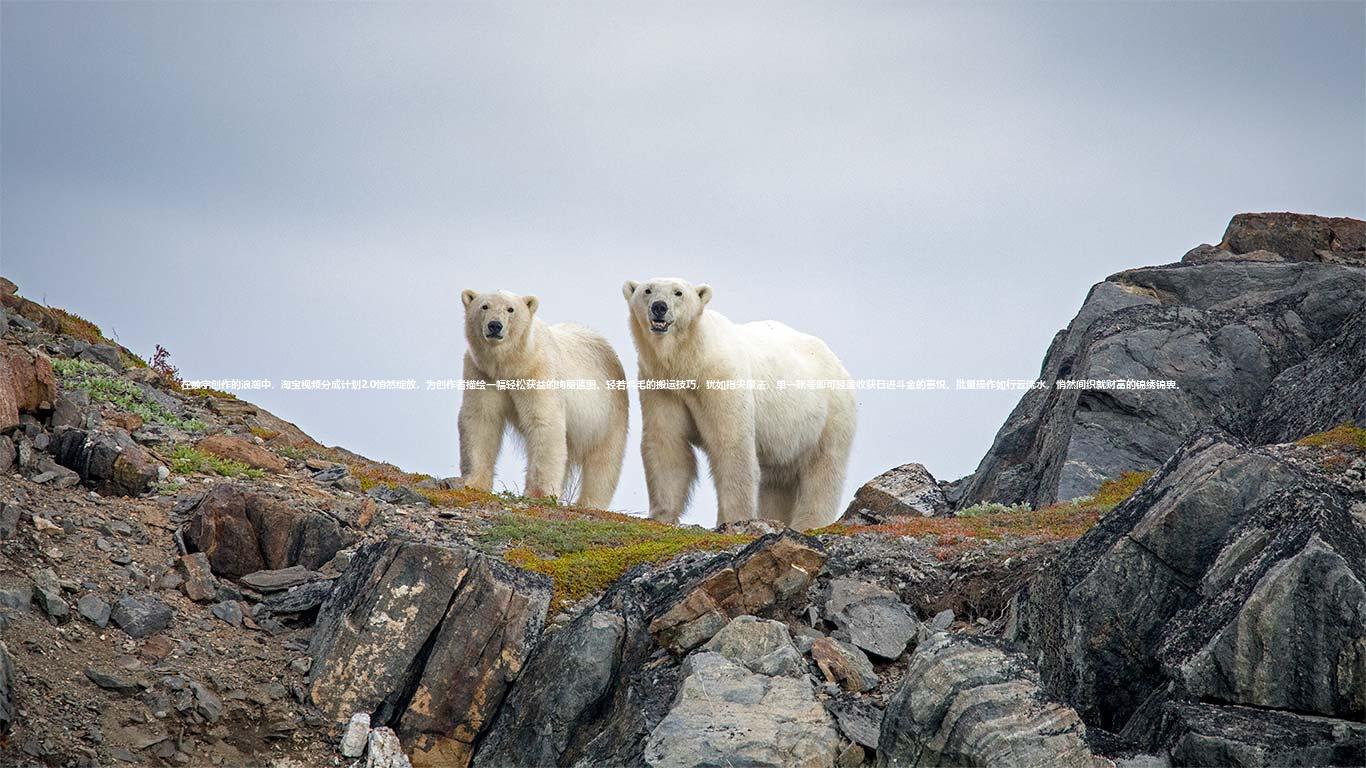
{"x": 647, "y": 291}
{"x": 485, "y": 307}
{"x": 509, "y": 310}
{"x": 678, "y": 293}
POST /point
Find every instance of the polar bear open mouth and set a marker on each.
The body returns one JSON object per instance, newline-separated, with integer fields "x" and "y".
{"x": 661, "y": 326}
{"x": 491, "y": 337}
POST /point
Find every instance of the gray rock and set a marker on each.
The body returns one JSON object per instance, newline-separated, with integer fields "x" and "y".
{"x": 94, "y": 609}
{"x": 72, "y": 410}
{"x": 111, "y": 463}
{"x": 280, "y": 579}
{"x": 1209, "y": 734}
{"x": 299, "y": 599}
{"x": 199, "y": 583}
{"x": 759, "y": 645}
{"x": 1232, "y": 576}
{"x": 968, "y": 703}
{"x": 942, "y": 620}
{"x": 844, "y": 665}
{"x": 858, "y": 720}
{"x": 15, "y": 593}
{"x": 229, "y": 611}
{"x": 875, "y": 618}
{"x": 907, "y": 490}
{"x": 356, "y": 736}
{"x": 48, "y": 593}
{"x": 206, "y": 703}
{"x": 8, "y": 712}
{"x": 9, "y": 520}
{"x": 1225, "y": 332}
{"x": 401, "y": 495}
{"x": 112, "y": 681}
{"x": 385, "y": 751}
{"x": 141, "y": 615}
{"x": 1298, "y": 237}
{"x": 725, "y": 714}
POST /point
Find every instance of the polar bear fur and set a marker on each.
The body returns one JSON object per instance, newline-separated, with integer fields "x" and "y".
{"x": 778, "y": 454}
{"x": 563, "y": 429}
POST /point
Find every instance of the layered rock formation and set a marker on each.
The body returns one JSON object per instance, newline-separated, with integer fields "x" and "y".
{"x": 1262, "y": 347}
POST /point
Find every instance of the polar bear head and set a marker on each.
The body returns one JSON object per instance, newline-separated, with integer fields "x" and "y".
{"x": 492, "y": 319}
{"x": 665, "y": 305}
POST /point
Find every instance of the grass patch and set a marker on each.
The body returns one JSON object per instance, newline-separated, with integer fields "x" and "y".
{"x": 1112, "y": 493}
{"x": 103, "y": 385}
{"x": 265, "y": 434}
{"x": 207, "y": 392}
{"x": 186, "y": 459}
{"x": 584, "y": 555}
{"x": 991, "y": 508}
{"x": 78, "y": 327}
{"x": 1346, "y": 435}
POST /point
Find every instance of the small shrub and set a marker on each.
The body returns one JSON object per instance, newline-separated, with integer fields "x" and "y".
{"x": 78, "y": 327}
{"x": 102, "y": 384}
{"x": 1112, "y": 493}
{"x": 991, "y": 508}
{"x": 186, "y": 459}
{"x": 161, "y": 363}
{"x": 207, "y": 392}
{"x": 1345, "y": 435}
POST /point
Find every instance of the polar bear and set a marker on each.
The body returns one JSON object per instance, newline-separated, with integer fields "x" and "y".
{"x": 778, "y": 451}
{"x": 564, "y": 427}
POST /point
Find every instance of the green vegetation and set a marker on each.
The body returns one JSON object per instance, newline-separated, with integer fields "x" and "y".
{"x": 185, "y": 459}
{"x": 78, "y": 327}
{"x": 1345, "y": 435}
{"x": 103, "y": 385}
{"x": 1112, "y": 493}
{"x": 583, "y": 551}
{"x": 991, "y": 508}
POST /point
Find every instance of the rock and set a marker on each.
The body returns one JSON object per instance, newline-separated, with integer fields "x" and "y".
{"x": 15, "y": 593}
{"x": 384, "y": 750}
{"x": 942, "y": 620}
{"x": 229, "y": 611}
{"x": 302, "y": 665}
{"x": 1298, "y": 237}
{"x": 128, "y": 422}
{"x": 726, "y": 715}
{"x": 7, "y": 287}
{"x": 968, "y": 703}
{"x": 112, "y": 682}
{"x": 199, "y": 583}
{"x": 875, "y": 618}
{"x": 761, "y": 646}
{"x": 8, "y": 453}
{"x": 906, "y": 491}
{"x": 569, "y": 675}
{"x": 281, "y": 579}
{"x": 1208, "y": 734}
{"x": 858, "y": 720}
{"x": 112, "y": 464}
{"x": 401, "y": 495}
{"x": 206, "y": 703}
{"x": 8, "y": 712}
{"x": 771, "y": 571}
{"x": 357, "y": 735}
{"x": 850, "y": 757}
{"x": 9, "y": 520}
{"x": 94, "y": 609}
{"x": 242, "y": 532}
{"x": 843, "y": 664}
{"x": 48, "y": 592}
{"x": 1225, "y": 333}
{"x": 1232, "y": 577}
{"x": 141, "y": 615}
{"x": 450, "y": 631}
{"x": 300, "y": 599}
{"x": 236, "y": 449}
{"x": 32, "y": 382}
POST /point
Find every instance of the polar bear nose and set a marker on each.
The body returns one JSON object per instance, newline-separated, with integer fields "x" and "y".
{"x": 495, "y": 327}
{"x": 658, "y": 309}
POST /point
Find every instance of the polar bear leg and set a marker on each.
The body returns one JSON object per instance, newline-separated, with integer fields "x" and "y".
{"x": 540, "y": 414}
{"x": 821, "y": 479}
{"x": 666, "y": 449}
{"x": 776, "y": 500}
{"x": 726, "y": 424}
{"x": 601, "y": 470}
{"x": 483, "y": 415}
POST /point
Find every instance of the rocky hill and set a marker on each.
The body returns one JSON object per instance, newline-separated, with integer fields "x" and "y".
{"x": 186, "y": 579}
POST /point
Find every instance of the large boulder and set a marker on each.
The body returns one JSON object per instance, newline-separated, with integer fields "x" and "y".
{"x": 1225, "y": 332}
{"x": 31, "y": 379}
{"x": 1233, "y": 576}
{"x": 237, "y": 449}
{"x": 965, "y": 702}
{"x": 426, "y": 639}
{"x": 242, "y": 532}
{"x": 1211, "y": 734}
{"x": 1297, "y": 237}
{"x": 109, "y": 462}
{"x": 905, "y": 491}
{"x": 727, "y": 715}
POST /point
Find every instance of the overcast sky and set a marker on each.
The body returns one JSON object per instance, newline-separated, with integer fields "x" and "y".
{"x": 301, "y": 190}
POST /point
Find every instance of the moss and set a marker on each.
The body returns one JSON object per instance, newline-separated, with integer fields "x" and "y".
{"x": 207, "y": 392}
{"x": 103, "y": 385}
{"x": 264, "y": 434}
{"x": 186, "y": 459}
{"x": 1112, "y": 493}
{"x": 1345, "y": 435}
{"x": 290, "y": 452}
{"x": 584, "y": 556}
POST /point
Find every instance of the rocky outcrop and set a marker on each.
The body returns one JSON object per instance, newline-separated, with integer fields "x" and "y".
{"x": 109, "y": 462}
{"x": 242, "y": 532}
{"x": 905, "y": 491}
{"x": 1233, "y": 577}
{"x": 595, "y": 690}
{"x": 427, "y": 640}
{"x": 874, "y": 618}
{"x": 1244, "y": 342}
{"x": 1210, "y": 734}
{"x": 237, "y": 449}
{"x": 969, "y": 703}
{"x": 725, "y": 714}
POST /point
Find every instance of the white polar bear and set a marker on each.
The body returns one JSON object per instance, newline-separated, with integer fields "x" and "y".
{"x": 563, "y": 428}
{"x": 778, "y": 453}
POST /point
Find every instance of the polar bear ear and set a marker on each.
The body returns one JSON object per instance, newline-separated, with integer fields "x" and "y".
{"x": 532, "y": 303}
{"x": 628, "y": 289}
{"x": 468, "y": 295}
{"x": 704, "y": 293}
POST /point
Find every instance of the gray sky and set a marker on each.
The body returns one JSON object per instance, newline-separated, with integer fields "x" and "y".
{"x": 301, "y": 190}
